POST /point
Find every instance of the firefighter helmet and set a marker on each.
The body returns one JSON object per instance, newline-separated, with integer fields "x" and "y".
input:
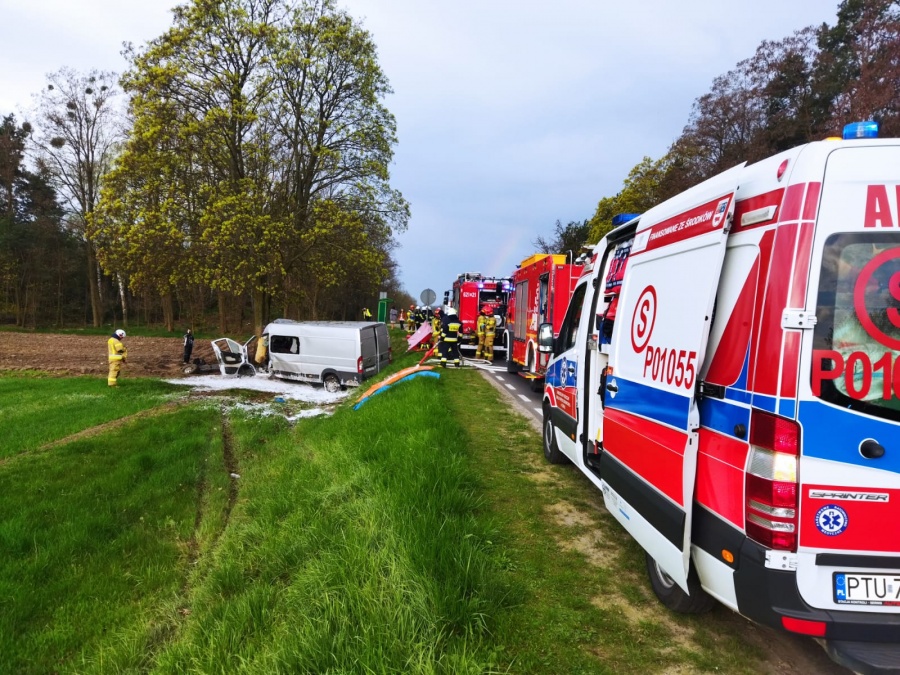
{"x": 485, "y": 309}
{"x": 120, "y": 333}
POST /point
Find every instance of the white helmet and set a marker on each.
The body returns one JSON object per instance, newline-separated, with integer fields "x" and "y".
{"x": 120, "y": 333}
{"x": 451, "y": 311}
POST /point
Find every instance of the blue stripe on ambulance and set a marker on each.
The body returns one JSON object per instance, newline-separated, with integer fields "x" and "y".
{"x": 835, "y": 433}
{"x": 654, "y": 404}
{"x": 723, "y": 416}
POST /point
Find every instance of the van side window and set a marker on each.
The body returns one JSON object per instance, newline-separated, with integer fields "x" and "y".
{"x": 569, "y": 329}
{"x": 284, "y": 344}
{"x": 856, "y": 341}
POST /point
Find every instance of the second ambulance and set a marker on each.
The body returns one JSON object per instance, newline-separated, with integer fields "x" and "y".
{"x": 728, "y": 374}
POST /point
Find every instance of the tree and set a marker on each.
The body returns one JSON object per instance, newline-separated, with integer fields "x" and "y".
{"x": 78, "y": 128}
{"x": 569, "y": 239}
{"x": 642, "y": 189}
{"x": 858, "y": 73}
{"x": 260, "y": 155}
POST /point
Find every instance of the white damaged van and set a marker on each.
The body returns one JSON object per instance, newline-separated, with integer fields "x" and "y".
{"x": 335, "y": 354}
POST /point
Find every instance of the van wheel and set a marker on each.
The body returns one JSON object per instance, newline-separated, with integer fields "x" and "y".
{"x": 332, "y": 383}
{"x": 551, "y": 449}
{"x": 672, "y": 596}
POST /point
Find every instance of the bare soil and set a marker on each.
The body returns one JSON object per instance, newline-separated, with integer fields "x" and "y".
{"x": 86, "y": 354}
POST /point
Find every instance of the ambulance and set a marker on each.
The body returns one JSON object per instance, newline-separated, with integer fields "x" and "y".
{"x": 728, "y": 375}
{"x": 541, "y": 287}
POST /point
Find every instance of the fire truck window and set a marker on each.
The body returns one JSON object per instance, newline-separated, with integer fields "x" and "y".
{"x": 856, "y": 341}
{"x": 284, "y": 344}
{"x": 568, "y": 332}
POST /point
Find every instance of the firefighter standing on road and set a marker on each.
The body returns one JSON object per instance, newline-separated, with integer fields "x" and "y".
{"x": 480, "y": 329}
{"x": 117, "y": 355}
{"x": 490, "y": 329}
{"x": 411, "y": 320}
{"x": 449, "y": 345}
{"x": 436, "y": 322}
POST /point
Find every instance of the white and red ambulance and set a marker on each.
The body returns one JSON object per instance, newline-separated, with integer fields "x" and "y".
{"x": 741, "y": 410}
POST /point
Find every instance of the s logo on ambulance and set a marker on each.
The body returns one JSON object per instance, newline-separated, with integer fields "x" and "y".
{"x": 863, "y": 313}
{"x": 643, "y": 320}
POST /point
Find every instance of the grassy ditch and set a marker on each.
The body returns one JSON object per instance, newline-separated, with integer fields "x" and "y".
{"x": 421, "y": 533}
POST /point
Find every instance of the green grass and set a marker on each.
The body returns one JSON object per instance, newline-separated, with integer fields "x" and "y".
{"x": 96, "y": 538}
{"x": 417, "y": 534}
{"x": 38, "y": 410}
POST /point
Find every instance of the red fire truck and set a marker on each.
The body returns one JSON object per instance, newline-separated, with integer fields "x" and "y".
{"x": 543, "y": 285}
{"x": 471, "y": 291}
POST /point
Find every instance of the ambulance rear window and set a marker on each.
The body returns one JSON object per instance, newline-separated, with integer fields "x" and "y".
{"x": 856, "y": 343}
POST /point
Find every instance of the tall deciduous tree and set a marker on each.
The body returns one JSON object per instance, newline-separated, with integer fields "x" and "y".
{"x": 260, "y": 154}
{"x": 77, "y": 131}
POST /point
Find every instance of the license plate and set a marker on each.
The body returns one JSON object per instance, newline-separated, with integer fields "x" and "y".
{"x": 866, "y": 589}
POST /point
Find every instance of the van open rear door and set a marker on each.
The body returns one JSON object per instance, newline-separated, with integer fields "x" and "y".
{"x": 651, "y": 416}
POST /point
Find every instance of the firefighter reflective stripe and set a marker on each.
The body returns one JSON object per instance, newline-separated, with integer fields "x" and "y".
{"x": 117, "y": 350}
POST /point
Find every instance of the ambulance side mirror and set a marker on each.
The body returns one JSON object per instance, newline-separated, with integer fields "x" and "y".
{"x": 545, "y": 338}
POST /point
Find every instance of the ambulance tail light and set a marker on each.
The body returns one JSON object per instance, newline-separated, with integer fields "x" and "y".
{"x": 772, "y": 491}
{"x": 359, "y": 367}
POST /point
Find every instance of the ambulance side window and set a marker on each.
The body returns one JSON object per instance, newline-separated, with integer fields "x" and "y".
{"x": 568, "y": 332}
{"x": 856, "y": 341}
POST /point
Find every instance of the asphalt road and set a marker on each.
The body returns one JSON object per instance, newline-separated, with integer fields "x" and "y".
{"x": 516, "y": 386}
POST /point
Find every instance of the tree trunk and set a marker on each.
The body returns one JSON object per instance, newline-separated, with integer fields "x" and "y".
{"x": 168, "y": 311}
{"x": 223, "y": 309}
{"x": 122, "y": 300}
{"x": 92, "y": 272}
{"x": 260, "y": 310}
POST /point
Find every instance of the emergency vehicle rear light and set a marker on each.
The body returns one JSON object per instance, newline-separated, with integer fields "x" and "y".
{"x": 804, "y": 626}
{"x": 867, "y": 129}
{"x": 774, "y": 433}
{"x": 771, "y": 489}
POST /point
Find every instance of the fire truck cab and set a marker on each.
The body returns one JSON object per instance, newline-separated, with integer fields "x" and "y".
{"x": 542, "y": 286}
{"x": 470, "y": 292}
{"x": 740, "y": 411}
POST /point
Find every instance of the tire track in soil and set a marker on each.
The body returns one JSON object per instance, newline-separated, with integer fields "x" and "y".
{"x": 230, "y": 465}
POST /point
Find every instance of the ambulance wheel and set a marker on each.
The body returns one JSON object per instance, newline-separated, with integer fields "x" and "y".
{"x": 332, "y": 383}
{"x": 671, "y": 594}
{"x": 551, "y": 449}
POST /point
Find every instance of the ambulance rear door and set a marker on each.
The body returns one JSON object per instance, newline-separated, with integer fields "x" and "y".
{"x": 651, "y": 417}
{"x": 849, "y": 410}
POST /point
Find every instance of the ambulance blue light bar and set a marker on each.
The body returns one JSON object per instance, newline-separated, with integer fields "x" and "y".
{"x": 622, "y": 218}
{"x": 868, "y": 129}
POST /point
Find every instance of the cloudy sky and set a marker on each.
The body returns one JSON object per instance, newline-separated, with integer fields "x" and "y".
{"x": 511, "y": 114}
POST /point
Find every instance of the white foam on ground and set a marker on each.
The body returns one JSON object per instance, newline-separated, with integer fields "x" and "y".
{"x": 293, "y": 391}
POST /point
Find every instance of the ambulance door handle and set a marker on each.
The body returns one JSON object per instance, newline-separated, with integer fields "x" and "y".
{"x": 571, "y": 370}
{"x": 612, "y": 387}
{"x": 871, "y": 449}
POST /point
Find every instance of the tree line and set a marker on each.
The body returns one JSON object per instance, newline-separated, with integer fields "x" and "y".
{"x": 247, "y": 177}
{"x": 802, "y": 88}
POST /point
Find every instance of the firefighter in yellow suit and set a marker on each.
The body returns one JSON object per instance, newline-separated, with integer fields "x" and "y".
{"x": 490, "y": 329}
{"x": 117, "y": 355}
{"x": 480, "y": 330}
